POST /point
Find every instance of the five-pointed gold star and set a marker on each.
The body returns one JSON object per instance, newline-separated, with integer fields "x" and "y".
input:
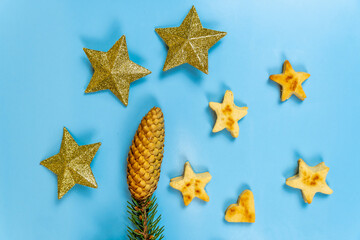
{"x": 191, "y": 184}
{"x": 310, "y": 180}
{"x": 290, "y": 82}
{"x": 72, "y": 164}
{"x": 114, "y": 70}
{"x": 189, "y": 43}
{"x": 228, "y": 114}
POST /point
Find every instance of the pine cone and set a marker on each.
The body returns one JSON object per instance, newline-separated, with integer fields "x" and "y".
{"x": 145, "y": 155}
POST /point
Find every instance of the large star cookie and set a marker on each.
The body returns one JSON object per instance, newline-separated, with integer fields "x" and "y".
{"x": 189, "y": 43}
{"x": 228, "y": 114}
{"x": 191, "y": 184}
{"x": 244, "y": 210}
{"x": 72, "y": 164}
{"x": 310, "y": 180}
{"x": 290, "y": 82}
{"x": 114, "y": 70}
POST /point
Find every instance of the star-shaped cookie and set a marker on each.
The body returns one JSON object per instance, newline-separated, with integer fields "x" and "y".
{"x": 191, "y": 184}
{"x": 228, "y": 114}
{"x": 189, "y": 43}
{"x": 72, "y": 164}
{"x": 244, "y": 210}
{"x": 310, "y": 180}
{"x": 114, "y": 70}
{"x": 290, "y": 82}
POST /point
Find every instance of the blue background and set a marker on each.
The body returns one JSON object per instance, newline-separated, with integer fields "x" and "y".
{"x": 44, "y": 73}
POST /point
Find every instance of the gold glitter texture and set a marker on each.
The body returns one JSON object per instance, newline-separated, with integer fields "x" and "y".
{"x": 189, "y": 43}
{"x": 72, "y": 164}
{"x": 114, "y": 70}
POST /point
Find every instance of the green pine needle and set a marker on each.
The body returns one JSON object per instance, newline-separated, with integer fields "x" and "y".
{"x": 143, "y": 215}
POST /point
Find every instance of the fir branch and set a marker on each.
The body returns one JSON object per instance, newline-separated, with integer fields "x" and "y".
{"x": 143, "y": 217}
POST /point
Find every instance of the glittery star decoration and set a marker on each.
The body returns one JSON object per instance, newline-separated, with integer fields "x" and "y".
{"x": 228, "y": 114}
{"x": 189, "y": 43}
{"x": 72, "y": 164}
{"x": 191, "y": 184}
{"x": 114, "y": 70}
{"x": 310, "y": 180}
{"x": 290, "y": 82}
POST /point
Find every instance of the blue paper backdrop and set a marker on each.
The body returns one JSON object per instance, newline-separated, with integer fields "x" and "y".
{"x": 44, "y": 72}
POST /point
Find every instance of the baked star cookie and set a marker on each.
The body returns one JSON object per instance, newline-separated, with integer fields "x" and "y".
{"x": 228, "y": 114}
{"x": 191, "y": 184}
{"x": 290, "y": 82}
{"x": 244, "y": 210}
{"x": 310, "y": 180}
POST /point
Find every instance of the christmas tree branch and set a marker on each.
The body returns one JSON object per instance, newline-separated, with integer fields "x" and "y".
{"x": 143, "y": 216}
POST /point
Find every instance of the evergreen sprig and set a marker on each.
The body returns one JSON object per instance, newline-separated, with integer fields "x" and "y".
{"x": 143, "y": 216}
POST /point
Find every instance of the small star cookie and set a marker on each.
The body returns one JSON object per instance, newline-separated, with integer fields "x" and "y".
{"x": 310, "y": 180}
{"x": 290, "y": 82}
{"x": 228, "y": 114}
{"x": 244, "y": 210}
{"x": 191, "y": 184}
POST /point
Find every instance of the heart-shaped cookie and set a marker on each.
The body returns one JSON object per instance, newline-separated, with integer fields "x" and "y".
{"x": 244, "y": 210}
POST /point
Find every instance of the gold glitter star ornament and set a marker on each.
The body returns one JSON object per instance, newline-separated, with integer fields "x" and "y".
{"x": 191, "y": 184}
{"x": 189, "y": 43}
{"x": 228, "y": 114}
{"x": 72, "y": 164}
{"x": 310, "y": 180}
{"x": 114, "y": 70}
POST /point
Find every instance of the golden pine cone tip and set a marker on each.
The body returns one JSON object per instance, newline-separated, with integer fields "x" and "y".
{"x": 145, "y": 155}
